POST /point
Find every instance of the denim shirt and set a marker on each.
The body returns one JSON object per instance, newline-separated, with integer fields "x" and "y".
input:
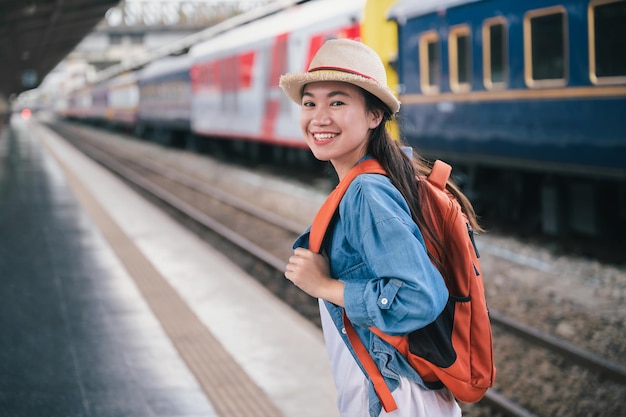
{"x": 378, "y": 252}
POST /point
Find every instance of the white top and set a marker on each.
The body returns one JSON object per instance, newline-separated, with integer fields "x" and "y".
{"x": 352, "y": 385}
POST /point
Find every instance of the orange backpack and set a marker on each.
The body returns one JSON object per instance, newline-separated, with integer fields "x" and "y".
{"x": 455, "y": 350}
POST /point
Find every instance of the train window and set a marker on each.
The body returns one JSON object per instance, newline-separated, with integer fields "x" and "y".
{"x": 459, "y": 49}
{"x": 607, "y": 41}
{"x": 430, "y": 62}
{"x": 545, "y": 51}
{"x": 495, "y": 62}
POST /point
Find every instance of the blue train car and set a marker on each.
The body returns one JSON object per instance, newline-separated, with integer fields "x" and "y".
{"x": 528, "y": 96}
{"x": 165, "y": 100}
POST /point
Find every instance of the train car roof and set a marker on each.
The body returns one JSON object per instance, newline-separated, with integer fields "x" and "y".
{"x": 282, "y": 22}
{"x": 407, "y": 9}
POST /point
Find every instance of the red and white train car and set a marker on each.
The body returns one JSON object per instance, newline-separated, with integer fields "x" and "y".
{"x": 234, "y": 76}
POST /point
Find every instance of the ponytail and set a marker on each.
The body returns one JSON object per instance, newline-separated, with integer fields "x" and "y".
{"x": 407, "y": 174}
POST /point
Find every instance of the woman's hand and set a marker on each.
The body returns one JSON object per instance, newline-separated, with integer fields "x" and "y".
{"x": 310, "y": 272}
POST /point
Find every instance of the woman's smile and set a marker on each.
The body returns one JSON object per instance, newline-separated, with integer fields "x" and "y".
{"x": 322, "y": 138}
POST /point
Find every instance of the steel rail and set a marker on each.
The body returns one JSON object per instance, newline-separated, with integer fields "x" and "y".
{"x": 583, "y": 357}
{"x": 499, "y": 402}
{"x": 187, "y": 209}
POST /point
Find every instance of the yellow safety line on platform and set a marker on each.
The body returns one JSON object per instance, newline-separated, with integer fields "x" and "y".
{"x": 229, "y": 388}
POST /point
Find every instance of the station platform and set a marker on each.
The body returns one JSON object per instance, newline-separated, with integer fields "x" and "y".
{"x": 108, "y": 307}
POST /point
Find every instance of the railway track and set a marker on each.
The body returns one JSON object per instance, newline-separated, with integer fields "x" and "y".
{"x": 263, "y": 241}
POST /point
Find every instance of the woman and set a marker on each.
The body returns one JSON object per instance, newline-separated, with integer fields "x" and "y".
{"x": 376, "y": 267}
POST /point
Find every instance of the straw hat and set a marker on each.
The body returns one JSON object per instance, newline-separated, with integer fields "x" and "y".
{"x": 343, "y": 60}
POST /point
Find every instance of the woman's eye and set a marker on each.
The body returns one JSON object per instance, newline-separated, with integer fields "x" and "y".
{"x": 337, "y": 103}
{"x": 308, "y": 104}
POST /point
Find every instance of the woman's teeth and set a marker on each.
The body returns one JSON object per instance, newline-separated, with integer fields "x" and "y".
{"x": 324, "y": 136}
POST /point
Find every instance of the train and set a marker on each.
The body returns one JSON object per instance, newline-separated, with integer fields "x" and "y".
{"x": 223, "y": 94}
{"x": 525, "y": 99}
{"x": 529, "y": 98}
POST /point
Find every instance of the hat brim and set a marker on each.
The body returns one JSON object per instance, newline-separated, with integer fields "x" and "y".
{"x": 293, "y": 84}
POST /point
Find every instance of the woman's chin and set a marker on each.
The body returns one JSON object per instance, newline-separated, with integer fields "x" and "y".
{"x": 321, "y": 156}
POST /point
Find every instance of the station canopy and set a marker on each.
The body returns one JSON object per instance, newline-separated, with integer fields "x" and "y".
{"x": 35, "y": 35}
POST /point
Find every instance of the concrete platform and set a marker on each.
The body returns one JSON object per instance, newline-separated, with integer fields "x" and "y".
{"x": 90, "y": 273}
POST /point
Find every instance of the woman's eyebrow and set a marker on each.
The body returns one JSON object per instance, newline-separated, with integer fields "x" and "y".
{"x": 330, "y": 94}
{"x": 338, "y": 93}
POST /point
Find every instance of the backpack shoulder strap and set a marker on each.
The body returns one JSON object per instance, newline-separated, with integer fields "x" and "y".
{"x": 380, "y": 386}
{"x": 327, "y": 211}
{"x": 319, "y": 229}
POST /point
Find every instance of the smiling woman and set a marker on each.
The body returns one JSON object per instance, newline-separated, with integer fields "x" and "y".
{"x": 373, "y": 269}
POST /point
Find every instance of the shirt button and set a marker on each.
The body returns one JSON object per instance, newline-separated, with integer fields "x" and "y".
{"x": 384, "y": 301}
{"x": 343, "y": 330}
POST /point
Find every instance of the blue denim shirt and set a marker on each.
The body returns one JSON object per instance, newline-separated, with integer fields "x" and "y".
{"x": 378, "y": 252}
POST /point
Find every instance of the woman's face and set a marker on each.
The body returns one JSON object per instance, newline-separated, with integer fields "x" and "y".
{"x": 335, "y": 123}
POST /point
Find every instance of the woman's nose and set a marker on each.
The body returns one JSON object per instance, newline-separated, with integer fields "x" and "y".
{"x": 320, "y": 118}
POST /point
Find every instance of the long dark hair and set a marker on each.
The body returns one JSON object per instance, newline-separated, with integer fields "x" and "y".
{"x": 407, "y": 175}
